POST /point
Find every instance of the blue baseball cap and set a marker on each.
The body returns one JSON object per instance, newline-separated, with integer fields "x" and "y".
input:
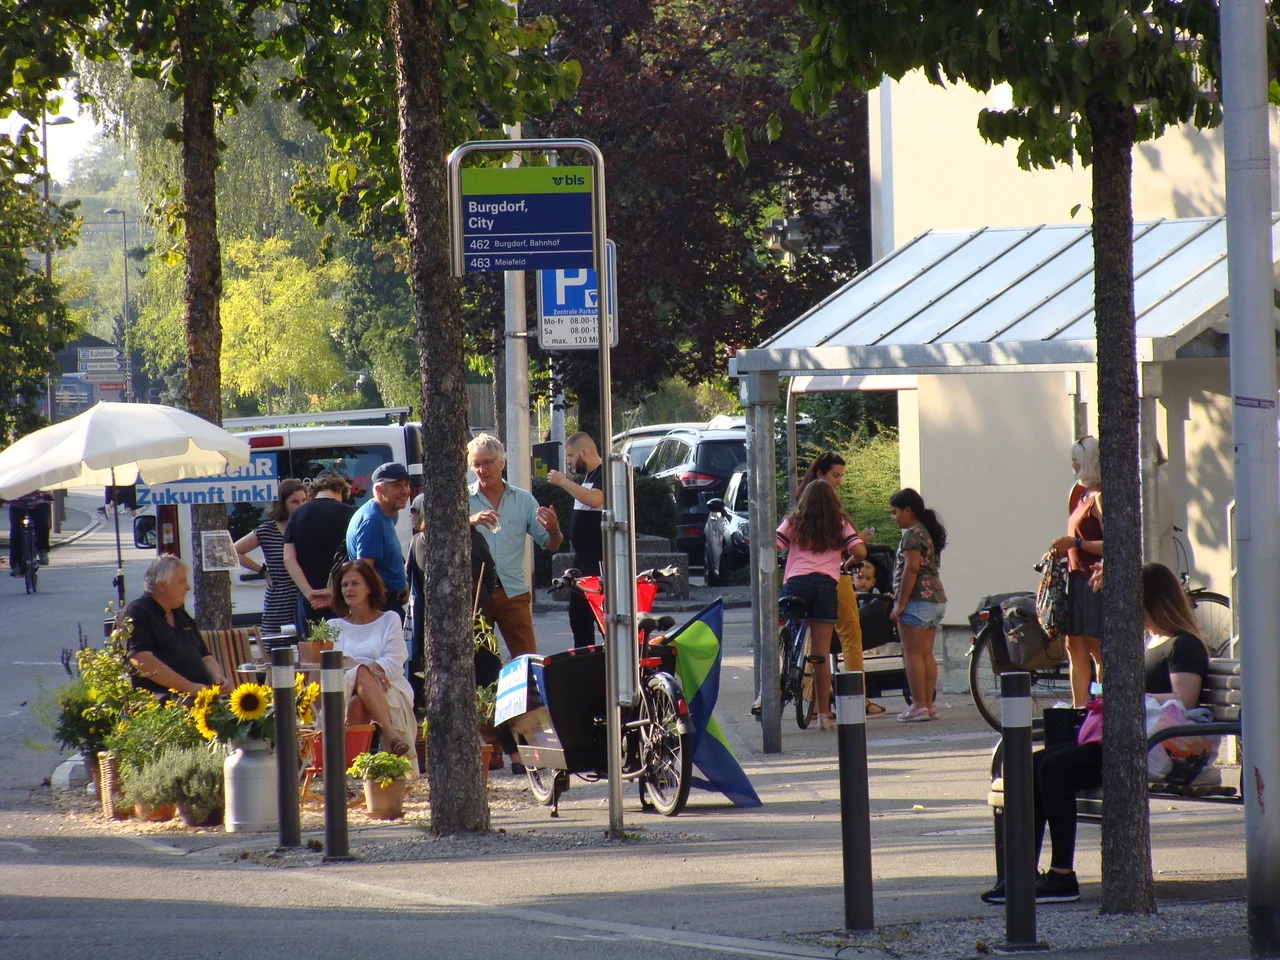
{"x": 391, "y": 471}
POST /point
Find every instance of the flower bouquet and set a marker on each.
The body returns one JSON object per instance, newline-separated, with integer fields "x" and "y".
{"x": 248, "y": 713}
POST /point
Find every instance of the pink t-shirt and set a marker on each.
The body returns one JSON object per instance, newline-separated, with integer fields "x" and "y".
{"x": 801, "y": 562}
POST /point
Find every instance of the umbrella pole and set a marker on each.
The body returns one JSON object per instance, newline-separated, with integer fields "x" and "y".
{"x": 119, "y": 580}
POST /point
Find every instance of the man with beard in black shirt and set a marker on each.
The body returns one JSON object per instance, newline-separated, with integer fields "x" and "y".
{"x": 582, "y": 457}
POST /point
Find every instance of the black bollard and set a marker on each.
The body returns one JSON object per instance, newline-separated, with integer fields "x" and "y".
{"x": 1019, "y": 815}
{"x": 855, "y": 802}
{"x": 286, "y": 710}
{"x": 333, "y": 730}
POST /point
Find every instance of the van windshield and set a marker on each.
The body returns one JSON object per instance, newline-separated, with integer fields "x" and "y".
{"x": 356, "y": 462}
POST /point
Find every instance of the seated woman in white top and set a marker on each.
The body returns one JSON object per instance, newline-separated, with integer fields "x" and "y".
{"x": 375, "y": 654}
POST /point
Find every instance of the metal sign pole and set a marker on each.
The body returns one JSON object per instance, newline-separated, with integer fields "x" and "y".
{"x": 608, "y": 574}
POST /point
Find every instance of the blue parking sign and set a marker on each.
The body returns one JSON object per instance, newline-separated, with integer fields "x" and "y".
{"x": 568, "y": 306}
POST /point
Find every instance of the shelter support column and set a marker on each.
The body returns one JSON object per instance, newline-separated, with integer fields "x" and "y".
{"x": 1079, "y": 405}
{"x": 1150, "y": 387}
{"x": 761, "y": 399}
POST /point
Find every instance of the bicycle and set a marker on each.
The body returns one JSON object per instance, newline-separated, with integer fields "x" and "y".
{"x": 1212, "y": 610}
{"x": 562, "y": 735}
{"x": 30, "y": 554}
{"x": 989, "y": 658}
{"x": 796, "y": 664}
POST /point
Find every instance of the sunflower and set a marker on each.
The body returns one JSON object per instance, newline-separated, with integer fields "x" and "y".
{"x": 201, "y": 719}
{"x": 205, "y": 697}
{"x": 249, "y": 701}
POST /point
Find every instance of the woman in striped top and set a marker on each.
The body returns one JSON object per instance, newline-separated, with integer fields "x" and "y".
{"x": 282, "y": 595}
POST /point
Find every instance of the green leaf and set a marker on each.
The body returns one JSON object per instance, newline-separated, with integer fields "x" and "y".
{"x": 773, "y": 128}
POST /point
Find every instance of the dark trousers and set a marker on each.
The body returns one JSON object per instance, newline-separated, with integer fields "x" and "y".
{"x": 304, "y": 615}
{"x": 1059, "y": 774}
{"x": 582, "y": 621}
{"x": 41, "y": 517}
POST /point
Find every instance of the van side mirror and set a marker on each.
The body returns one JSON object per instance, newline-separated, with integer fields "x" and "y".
{"x": 144, "y": 532}
{"x": 715, "y": 505}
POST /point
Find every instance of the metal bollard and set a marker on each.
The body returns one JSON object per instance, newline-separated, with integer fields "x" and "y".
{"x": 855, "y": 801}
{"x": 282, "y": 677}
{"x": 1019, "y": 815}
{"x": 333, "y": 729}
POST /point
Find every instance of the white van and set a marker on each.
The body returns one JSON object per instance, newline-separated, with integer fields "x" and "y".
{"x": 280, "y": 448}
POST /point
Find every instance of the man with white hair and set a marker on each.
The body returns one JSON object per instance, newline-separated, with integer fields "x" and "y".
{"x": 165, "y": 648}
{"x": 505, "y": 516}
{"x": 372, "y": 537}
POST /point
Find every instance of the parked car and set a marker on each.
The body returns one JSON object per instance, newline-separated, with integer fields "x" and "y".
{"x": 697, "y": 465}
{"x": 726, "y": 537}
{"x": 638, "y": 442}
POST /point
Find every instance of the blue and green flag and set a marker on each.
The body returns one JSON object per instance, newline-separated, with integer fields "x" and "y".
{"x": 698, "y": 654}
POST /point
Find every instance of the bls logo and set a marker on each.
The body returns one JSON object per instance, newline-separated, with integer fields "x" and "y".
{"x": 572, "y": 180}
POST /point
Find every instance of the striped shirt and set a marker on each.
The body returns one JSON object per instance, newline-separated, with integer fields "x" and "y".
{"x": 282, "y": 594}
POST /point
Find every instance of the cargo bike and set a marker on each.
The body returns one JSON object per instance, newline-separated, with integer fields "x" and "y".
{"x": 554, "y": 708}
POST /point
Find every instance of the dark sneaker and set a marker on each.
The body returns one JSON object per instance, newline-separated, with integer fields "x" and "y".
{"x": 44, "y": 558}
{"x": 995, "y": 895}
{"x": 1054, "y": 887}
{"x": 517, "y": 768}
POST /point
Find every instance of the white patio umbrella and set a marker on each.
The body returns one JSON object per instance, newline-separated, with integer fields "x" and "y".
{"x": 118, "y": 444}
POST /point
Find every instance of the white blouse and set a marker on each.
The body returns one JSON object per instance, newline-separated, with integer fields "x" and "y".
{"x": 380, "y": 642}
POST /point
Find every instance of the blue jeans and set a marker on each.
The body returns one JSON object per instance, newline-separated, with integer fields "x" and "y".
{"x": 923, "y": 614}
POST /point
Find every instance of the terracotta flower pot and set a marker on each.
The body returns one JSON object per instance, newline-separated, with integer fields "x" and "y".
{"x": 385, "y": 803}
{"x": 487, "y": 751}
{"x": 213, "y": 819}
{"x": 309, "y": 651}
{"x": 160, "y": 814}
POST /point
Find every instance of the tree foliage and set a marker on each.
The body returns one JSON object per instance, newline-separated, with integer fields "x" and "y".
{"x": 661, "y": 83}
{"x": 33, "y": 318}
{"x": 1089, "y": 79}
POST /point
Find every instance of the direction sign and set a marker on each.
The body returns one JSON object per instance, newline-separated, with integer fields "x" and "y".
{"x": 97, "y": 353}
{"x": 526, "y": 218}
{"x": 567, "y": 301}
{"x": 115, "y": 385}
{"x": 113, "y": 366}
{"x": 102, "y": 376}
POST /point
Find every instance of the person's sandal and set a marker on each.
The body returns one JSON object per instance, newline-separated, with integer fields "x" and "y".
{"x": 826, "y": 721}
{"x": 875, "y": 710}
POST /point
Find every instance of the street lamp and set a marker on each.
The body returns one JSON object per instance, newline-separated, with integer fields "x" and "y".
{"x": 45, "y": 124}
{"x": 124, "y": 332}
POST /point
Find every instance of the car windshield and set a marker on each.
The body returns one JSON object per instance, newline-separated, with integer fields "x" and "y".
{"x": 720, "y": 458}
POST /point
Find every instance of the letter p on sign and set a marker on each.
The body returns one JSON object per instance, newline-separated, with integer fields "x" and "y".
{"x": 566, "y": 279}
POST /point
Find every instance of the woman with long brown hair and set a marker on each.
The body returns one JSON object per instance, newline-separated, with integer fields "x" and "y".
{"x": 816, "y": 536}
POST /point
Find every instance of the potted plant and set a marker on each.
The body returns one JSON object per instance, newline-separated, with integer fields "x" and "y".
{"x": 320, "y": 638}
{"x": 384, "y": 776}
{"x": 245, "y": 722}
{"x": 138, "y": 741}
{"x": 188, "y": 777}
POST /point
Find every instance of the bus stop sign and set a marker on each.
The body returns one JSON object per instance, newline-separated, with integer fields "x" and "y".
{"x": 526, "y": 218}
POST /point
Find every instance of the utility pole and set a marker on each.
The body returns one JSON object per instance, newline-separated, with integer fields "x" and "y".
{"x": 1253, "y": 433}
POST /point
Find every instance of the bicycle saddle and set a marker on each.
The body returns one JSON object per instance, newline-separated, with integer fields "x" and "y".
{"x": 792, "y": 608}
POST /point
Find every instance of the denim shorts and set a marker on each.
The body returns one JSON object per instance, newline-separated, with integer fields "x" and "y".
{"x": 818, "y": 591}
{"x": 922, "y": 614}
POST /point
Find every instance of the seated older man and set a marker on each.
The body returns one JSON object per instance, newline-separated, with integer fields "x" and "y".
{"x": 166, "y": 649}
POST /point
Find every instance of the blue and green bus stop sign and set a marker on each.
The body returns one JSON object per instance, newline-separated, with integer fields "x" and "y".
{"x": 526, "y": 218}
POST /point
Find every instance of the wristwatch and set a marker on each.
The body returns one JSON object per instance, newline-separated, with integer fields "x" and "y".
{"x": 1078, "y": 542}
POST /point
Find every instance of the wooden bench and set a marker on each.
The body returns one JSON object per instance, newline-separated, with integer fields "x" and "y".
{"x": 231, "y": 648}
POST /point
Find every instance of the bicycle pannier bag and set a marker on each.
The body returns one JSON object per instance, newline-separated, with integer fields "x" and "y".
{"x": 1051, "y": 596}
{"x": 1029, "y": 647}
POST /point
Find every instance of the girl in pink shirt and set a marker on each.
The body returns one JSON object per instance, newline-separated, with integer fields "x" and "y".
{"x": 816, "y": 535}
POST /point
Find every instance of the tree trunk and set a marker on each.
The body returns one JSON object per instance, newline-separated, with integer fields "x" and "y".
{"x": 589, "y": 403}
{"x": 202, "y": 293}
{"x": 1126, "y": 829}
{"x": 860, "y": 188}
{"x": 458, "y": 802}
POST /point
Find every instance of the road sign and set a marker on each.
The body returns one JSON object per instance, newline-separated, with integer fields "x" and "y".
{"x": 117, "y": 386}
{"x": 567, "y": 301}
{"x": 97, "y": 353}
{"x": 102, "y": 376}
{"x": 91, "y": 366}
{"x": 525, "y": 218}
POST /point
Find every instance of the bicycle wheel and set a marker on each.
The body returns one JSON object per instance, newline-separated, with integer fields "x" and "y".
{"x": 1213, "y": 615}
{"x": 541, "y": 784}
{"x": 784, "y": 672}
{"x": 665, "y": 752}
{"x": 806, "y": 682}
{"x": 1047, "y": 686}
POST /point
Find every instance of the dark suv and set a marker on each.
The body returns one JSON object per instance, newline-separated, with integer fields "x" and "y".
{"x": 697, "y": 465}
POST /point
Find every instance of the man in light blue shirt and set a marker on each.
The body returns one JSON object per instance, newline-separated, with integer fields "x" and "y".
{"x": 505, "y": 516}
{"x": 371, "y": 534}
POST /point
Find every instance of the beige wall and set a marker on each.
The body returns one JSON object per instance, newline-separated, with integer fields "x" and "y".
{"x": 945, "y": 176}
{"x": 994, "y": 461}
{"x": 1196, "y": 436}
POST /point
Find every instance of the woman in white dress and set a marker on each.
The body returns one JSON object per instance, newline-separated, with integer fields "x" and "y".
{"x": 375, "y": 653}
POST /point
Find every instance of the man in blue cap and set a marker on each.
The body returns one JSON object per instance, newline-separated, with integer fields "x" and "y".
{"x": 371, "y": 534}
